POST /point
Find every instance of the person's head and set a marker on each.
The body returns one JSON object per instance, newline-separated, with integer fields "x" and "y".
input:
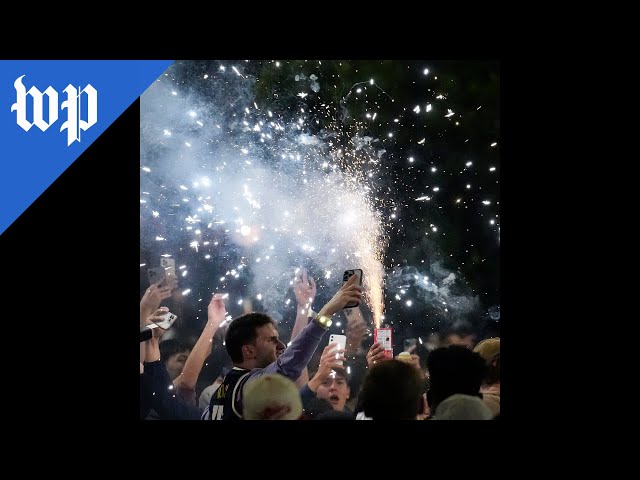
{"x": 460, "y": 333}
{"x": 271, "y": 397}
{"x": 453, "y": 369}
{"x": 489, "y": 350}
{"x": 463, "y": 407}
{"x": 174, "y": 354}
{"x": 392, "y": 390}
{"x": 335, "y": 389}
{"x": 252, "y": 341}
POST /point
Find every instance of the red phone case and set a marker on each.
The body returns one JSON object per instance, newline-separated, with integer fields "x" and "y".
{"x": 383, "y": 337}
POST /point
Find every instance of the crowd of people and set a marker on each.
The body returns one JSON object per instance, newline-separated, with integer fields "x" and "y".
{"x": 260, "y": 378}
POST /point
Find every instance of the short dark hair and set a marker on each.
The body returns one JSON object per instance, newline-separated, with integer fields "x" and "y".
{"x": 170, "y": 347}
{"x": 391, "y": 391}
{"x": 453, "y": 369}
{"x": 242, "y": 331}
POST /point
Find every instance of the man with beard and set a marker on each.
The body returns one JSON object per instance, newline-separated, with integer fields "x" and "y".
{"x": 253, "y": 344}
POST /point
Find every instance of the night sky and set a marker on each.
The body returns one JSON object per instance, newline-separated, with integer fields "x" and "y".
{"x": 307, "y": 163}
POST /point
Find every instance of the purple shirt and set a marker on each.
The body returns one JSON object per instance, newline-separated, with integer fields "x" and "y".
{"x": 290, "y": 363}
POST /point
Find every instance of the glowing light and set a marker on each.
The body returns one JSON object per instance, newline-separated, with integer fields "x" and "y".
{"x": 371, "y": 81}
{"x": 486, "y": 202}
{"x": 409, "y": 303}
{"x": 468, "y": 164}
{"x": 492, "y": 169}
{"x": 492, "y": 222}
{"x": 435, "y": 229}
{"x": 359, "y": 90}
{"x": 259, "y": 296}
{"x": 435, "y": 189}
{"x": 426, "y": 71}
{"x": 186, "y": 292}
{"x": 166, "y": 132}
{"x": 192, "y": 114}
{"x": 468, "y": 185}
{"x": 277, "y": 64}
{"x": 187, "y": 144}
{"x": 428, "y": 108}
{"x": 411, "y": 159}
{"x": 146, "y": 169}
{"x": 494, "y": 144}
{"x": 245, "y": 230}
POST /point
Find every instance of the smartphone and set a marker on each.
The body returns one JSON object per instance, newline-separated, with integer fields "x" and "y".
{"x": 169, "y": 265}
{"x": 383, "y": 337}
{"x": 168, "y": 320}
{"x": 341, "y": 340}
{"x": 157, "y": 274}
{"x": 410, "y": 345}
{"x": 346, "y": 276}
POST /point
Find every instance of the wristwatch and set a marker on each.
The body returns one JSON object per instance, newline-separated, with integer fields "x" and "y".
{"x": 324, "y": 321}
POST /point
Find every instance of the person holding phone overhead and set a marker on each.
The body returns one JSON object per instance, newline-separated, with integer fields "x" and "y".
{"x": 255, "y": 349}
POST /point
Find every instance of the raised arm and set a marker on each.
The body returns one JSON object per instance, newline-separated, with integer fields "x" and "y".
{"x": 304, "y": 289}
{"x": 297, "y": 355}
{"x": 186, "y": 381}
{"x": 165, "y": 402}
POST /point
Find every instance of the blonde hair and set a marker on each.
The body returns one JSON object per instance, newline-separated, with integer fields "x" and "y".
{"x": 271, "y": 392}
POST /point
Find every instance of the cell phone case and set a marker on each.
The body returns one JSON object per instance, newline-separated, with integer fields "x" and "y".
{"x": 341, "y": 340}
{"x": 156, "y": 274}
{"x": 346, "y": 276}
{"x": 169, "y": 265}
{"x": 169, "y": 319}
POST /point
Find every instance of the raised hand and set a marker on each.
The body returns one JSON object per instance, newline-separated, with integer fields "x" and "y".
{"x": 355, "y": 333}
{"x": 349, "y": 292}
{"x": 304, "y": 288}
{"x": 157, "y": 317}
{"x": 375, "y": 355}
{"x": 152, "y": 298}
{"x": 216, "y": 310}
{"x": 330, "y": 360}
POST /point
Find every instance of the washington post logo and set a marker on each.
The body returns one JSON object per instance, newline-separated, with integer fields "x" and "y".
{"x": 74, "y": 124}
